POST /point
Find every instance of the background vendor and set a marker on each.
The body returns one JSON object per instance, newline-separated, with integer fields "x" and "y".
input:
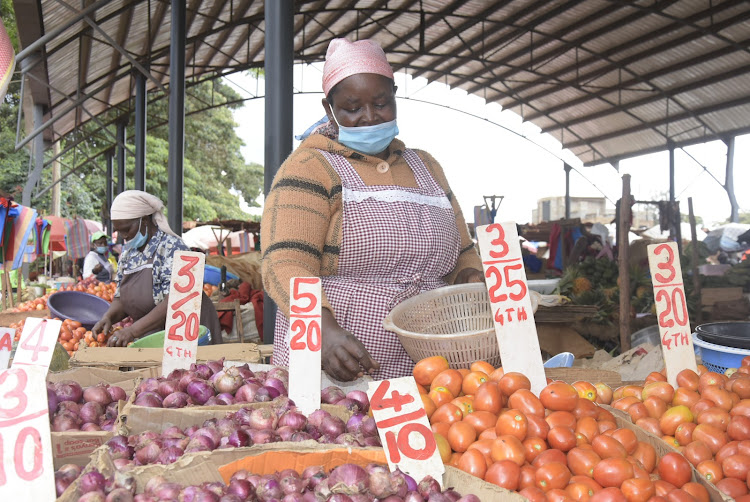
{"x": 145, "y": 271}
{"x": 97, "y": 261}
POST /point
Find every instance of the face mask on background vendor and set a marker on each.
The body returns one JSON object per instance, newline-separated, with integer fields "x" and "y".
{"x": 96, "y": 263}
{"x": 144, "y": 272}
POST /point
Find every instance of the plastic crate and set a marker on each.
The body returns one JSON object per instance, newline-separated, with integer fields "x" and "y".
{"x": 156, "y": 340}
{"x": 718, "y": 358}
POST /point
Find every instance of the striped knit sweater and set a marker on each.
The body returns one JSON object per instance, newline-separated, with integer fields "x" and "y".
{"x": 301, "y": 229}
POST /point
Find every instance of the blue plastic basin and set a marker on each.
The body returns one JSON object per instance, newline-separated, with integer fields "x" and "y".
{"x": 77, "y": 306}
{"x": 212, "y": 275}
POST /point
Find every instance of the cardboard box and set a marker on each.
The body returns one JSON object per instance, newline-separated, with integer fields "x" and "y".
{"x": 709, "y": 296}
{"x": 572, "y": 375}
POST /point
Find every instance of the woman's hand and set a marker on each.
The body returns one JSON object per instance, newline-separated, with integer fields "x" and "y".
{"x": 343, "y": 356}
{"x": 122, "y": 337}
{"x": 469, "y": 275}
{"x": 103, "y": 325}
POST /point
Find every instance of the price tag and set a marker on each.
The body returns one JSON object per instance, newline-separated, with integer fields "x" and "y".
{"x": 183, "y": 313}
{"x": 404, "y": 430}
{"x": 6, "y": 345}
{"x": 37, "y": 342}
{"x": 510, "y": 302}
{"x": 25, "y": 443}
{"x": 304, "y": 343}
{"x": 671, "y": 308}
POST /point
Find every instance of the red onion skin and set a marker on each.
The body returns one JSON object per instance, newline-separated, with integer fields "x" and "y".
{"x": 293, "y": 419}
{"x": 292, "y": 497}
{"x": 65, "y": 422}
{"x": 380, "y": 480}
{"x": 185, "y": 381}
{"x": 51, "y": 401}
{"x": 167, "y": 491}
{"x": 263, "y": 418}
{"x": 202, "y": 371}
{"x": 61, "y": 484}
{"x": 469, "y": 498}
{"x": 339, "y": 497}
{"x": 361, "y": 398}
{"x": 113, "y": 409}
{"x": 180, "y": 443}
{"x": 176, "y": 374}
{"x": 211, "y": 433}
{"x": 263, "y": 395}
{"x": 316, "y": 417}
{"x": 117, "y": 393}
{"x": 401, "y": 484}
{"x": 200, "y": 391}
{"x": 279, "y": 373}
{"x": 452, "y": 494}
{"x": 225, "y": 398}
{"x": 291, "y": 483}
{"x": 90, "y": 427}
{"x": 148, "y": 454}
{"x": 413, "y": 496}
{"x": 276, "y": 384}
{"x": 142, "y": 497}
{"x": 285, "y": 433}
{"x": 301, "y": 436}
{"x": 354, "y": 424}
{"x": 153, "y": 483}
{"x": 438, "y": 497}
{"x": 228, "y": 381}
{"x": 348, "y": 479}
{"x": 331, "y": 394}
{"x": 143, "y": 439}
{"x": 239, "y": 438}
{"x": 98, "y": 394}
{"x": 216, "y": 366}
{"x": 200, "y": 443}
{"x": 95, "y": 496}
{"x": 148, "y": 385}
{"x": 428, "y": 486}
{"x": 166, "y": 387}
{"x": 149, "y": 399}
{"x": 263, "y": 436}
{"x": 191, "y": 430}
{"x": 241, "y": 488}
{"x": 369, "y": 427}
{"x": 246, "y": 393}
{"x": 230, "y": 497}
{"x": 332, "y": 426}
{"x": 69, "y": 471}
{"x": 90, "y": 412}
{"x": 268, "y": 489}
{"x": 123, "y": 464}
{"x": 175, "y": 400}
{"x": 70, "y": 406}
{"x": 119, "y": 447}
{"x": 68, "y": 390}
{"x": 225, "y": 426}
{"x": 90, "y": 482}
{"x": 273, "y": 392}
{"x": 119, "y": 495}
{"x": 309, "y": 497}
{"x": 245, "y": 372}
{"x": 169, "y": 455}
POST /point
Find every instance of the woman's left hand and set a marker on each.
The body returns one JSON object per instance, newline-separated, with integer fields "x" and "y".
{"x": 121, "y": 337}
{"x": 469, "y": 275}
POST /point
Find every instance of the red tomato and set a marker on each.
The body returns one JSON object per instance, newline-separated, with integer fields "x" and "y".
{"x": 608, "y": 447}
{"x": 655, "y": 407}
{"x": 460, "y": 436}
{"x": 481, "y": 420}
{"x": 472, "y": 381}
{"x": 427, "y": 369}
{"x": 528, "y": 477}
{"x": 505, "y": 474}
{"x": 585, "y": 390}
{"x": 582, "y": 461}
{"x": 717, "y": 395}
{"x": 662, "y": 390}
{"x": 440, "y": 396}
{"x": 485, "y": 447}
{"x": 579, "y": 491}
{"x": 637, "y": 411}
{"x": 513, "y": 381}
{"x": 533, "y": 448}
{"x": 673, "y": 417}
{"x": 739, "y": 428}
{"x": 610, "y": 494}
{"x": 586, "y": 408}
{"x": 558, "y": 495}
{"x": 651, "y": 425}
{"x": 561, "y": 419}
{"x": 732, "y": 487}
{"x": 711, "y": 470}
{"x": 603, "y": 393}
{"x": 697, "y": 490}
{"x": 448, "y": 413}
{"x": 559, "y": 396}
{"x": 685, "y": 397}
{"x": 548, "y": 456}
{"x": 688, "y": 379}
{"x": 512, "y": 422}
{"x": 673, "y": 468}
{"x": 488, "y": 398}
{"x": 611, "y": 472}
{"x": 538, "y": 427}
{"x": 473, "y": 462}
{"x": 712, "y": 437}
{"x": 450, "y": 379}
{"x": 696, "y": 452}
{"x": 561, "y": 438}
{"x": 554, "y": 475}
{"x": 508, "y": 448}
{"x": 624, "y": 403}
{"x": 736, "y": 466}
{"x": 646, "y": 455}
{"x": 533, "y": 494}
{"x": 638, "y": 490}
{"x": 525, "y": 401}
{"x": 627, "y": 438}
{"x": 588, "y": 427}
{"x": 684, "y": 433}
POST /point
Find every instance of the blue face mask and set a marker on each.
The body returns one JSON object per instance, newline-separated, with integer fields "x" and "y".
{"x": 368, "y": 139}
{"x": 101, "y": 249}
{"x": 137, "y": 241}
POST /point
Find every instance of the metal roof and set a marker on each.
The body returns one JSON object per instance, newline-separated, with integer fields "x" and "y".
{"x": 610, "y": 79}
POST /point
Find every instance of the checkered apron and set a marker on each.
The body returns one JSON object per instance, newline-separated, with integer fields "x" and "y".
{"x": 396, "y": 243}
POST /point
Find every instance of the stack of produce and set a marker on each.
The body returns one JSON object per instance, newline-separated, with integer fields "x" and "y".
{"x": 74, "y": 408}
{"x": 557, "y": 446}
{"x": 90, "y": 286}
{"x": 74, "y": 336}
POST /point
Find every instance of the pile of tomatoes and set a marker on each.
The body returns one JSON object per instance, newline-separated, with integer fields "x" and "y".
{"x": 558, "y": 446}
{"x": 209, "y": 289}
{"x": 93, "y": 287}
{"x": 707, "y": 418}
{"x": 72, "y": 335}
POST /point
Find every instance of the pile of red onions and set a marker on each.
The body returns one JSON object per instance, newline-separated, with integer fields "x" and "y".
{"x": 92, "y": 409}
{"x": 65, "y": 476}
{"x": 210, "y": 384}
{"x": 345, "y": 483}
{"x": 278, "y": 421}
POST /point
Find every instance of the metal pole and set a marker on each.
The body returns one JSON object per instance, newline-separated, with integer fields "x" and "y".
{"x": 121, "y": 184}
{"x": 279, "y": 60}
{"x": 36, "y": 172}
{"x": 55, "y": 203}
{"x": 108, "y": 189}
{"x": 734, "y": 216}
{"x": 176, "y": 116}
{"x": 567, "y": 168}
{"x": 623, "y": 248}
{"x": 694, "y": 259}
{"x": 140, "y": 131}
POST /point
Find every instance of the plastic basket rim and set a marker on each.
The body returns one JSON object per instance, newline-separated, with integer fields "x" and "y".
{"x": 389, "y": 325}
{"x": 718, "y": 348}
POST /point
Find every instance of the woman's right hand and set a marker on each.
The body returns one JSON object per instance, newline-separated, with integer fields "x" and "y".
{"x": 343, "y": 356}
{"x": 104, "y": 325}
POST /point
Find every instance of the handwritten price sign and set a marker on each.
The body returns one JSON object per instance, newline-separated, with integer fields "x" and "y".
{"x": 510, "y": 302}
{"x": 25, "y": 444}
{"x": 671, "y": 308}
{"x": 37, "y": 342}
{"x": 404, "y": 430}
{"x": 304, "y": 343}
{"x": 183, "y": 313}
{"x": 6, "y": 345}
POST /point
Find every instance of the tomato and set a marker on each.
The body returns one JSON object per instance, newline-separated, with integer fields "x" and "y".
{"x": 732, "y": 487}
{"x": 465, "y": 404}
{"x": 473, "y": 462}
{"x": 505, "y": 474}
{"x": 481, "y": 420}
{"x": 582, "y": 461}
{"x": 472, "y": 381}
{"x": 559, "y": 396}
{"x": 709, "y": 378}
{"x": 460, "y": 436}
{"x": 685, "y": 397}
{"x": 579, "y": 491}
{"x": 508, "y": 448}
{"x": 671, "y": 441}
{"x": 443, "y": 447}
{"x": 588, "y": 481}
{"x": 497, "y": 375}
{"x": 588, "y": 427}
{"x": 533, "y": 447}
{"x": 711, "y": 470}
{"x": 561, "y": 438}
{"x": 428, "y": 368}
{"x": 713, "y": 438}
{"x": 663, "y": 487}
{"x": 741, "y": 387}
{"x": 736, "y": 466}
{"x": 649, "y": 424}
{"x": 696, "y": 452}
{"x": 561, "y": 419}
{"x": 606, "y": 425}
{"x": 662, "y": 390}
{"x": 673, "y": 417}
{"x": 526, "y": 402}
{"x": 512, "y": 422}
{"x": 697, "y": 490}
{"x": 624, "y": 403}
{"x": 428, "y": 404}
{"x": 488, "y": 398}
{"x": 646, "y": 455}
{"x": 448, "y": 412}
{"x": 627, "y": 438}
{"x": 463, "y": 372}
{"x": 440, "y": 428}
{"x": 715, "y": 416}
{"x": 449, "y": 379}
{"x": 603, "y": 393}
{"x": 528, "y": 477}
{"x": 611, "y": 472}
{"x": 548, "y": 456}
{"x": 558, "y": 495}
{"x": 482, "y": 366}
{"x": 743, "y": 447}
{"x": 440, "y": 396}
{"x": 739, "y": 428}
{"x": 637, "y": 411}
{"x": 684, "y": 433}
{"x": 585, "y": 408}
{"x": 655, "y": 376}
{"x": 655, "y": 407}
{"x": 533, "y": 494}
{"x": 608, "y": 447}
{"x": 633, "y": 390}
{"x": 488, "y": 433}
{"x": 485, "y": 447}
{"x": 553, "y": 475}
{"x": 538, "y": 427}
{"x": 741, "y": 409}
{"x": 585, "y": 390}
{"x": 679, "y": 496}
{"x": 638, "y": 490}
{"x": 673, "y": 468}
{"x": 513, "y": 381}
{"x": 610, "y": 494}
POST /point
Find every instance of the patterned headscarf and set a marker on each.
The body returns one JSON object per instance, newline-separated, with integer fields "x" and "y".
{"x": 132, "y": 204}
{"x": 345, "y": 58}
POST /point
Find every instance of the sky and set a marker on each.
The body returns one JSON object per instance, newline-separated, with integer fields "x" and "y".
{"x": 487, "y": 151}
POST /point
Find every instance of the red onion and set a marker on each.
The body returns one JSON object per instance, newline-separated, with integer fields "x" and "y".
{"x": 90, "y": 411}
{"x": 246, "y": 393}
{"x": 173, "y": 432}
{"x": 273, "y": 392}
{"x": 191, "y": 430}
{"x": 90, "y": 427}
{"x": 148, "y": 454}
{"x": 214, "y": 487}
{"x": 293, "y": 497}
{"x": 117, "y": 393}
{"x": 369, "y": 440}
{"x": 469, "y": 498}
{"x": 241, "y": 488}
{"x": 175, "y": 400}
{"x": 200, "y": 443}
{"x": 61, "y": 484}
{"x": 276, "y": 384}
{"x": 263, "y": 395}
{"x": 262, "y": 436}
{"x": 143, "y": 439}
{"x": 437, "y": 497}
{"x": 332, "y": 426}
{"x": 176, "y": 374}
{"x": 348, "y": 479}
{"x": 354, "y": 424}
{"x": 213, "y": 401}
{"x": 380, "y": 480}
{"x": 210, "y": 433}
{"x": 312, "y": 470}
{"x": 278, "y": 372}
{"x": 285, "y": 433}
{"x": 149, "y": 385}
{"x": 228, "y": 380}
{"x": 245, "y": 372}
{"x": 199, "y": 391}
{"x": 149, "y": 399}
{"x": 263, "y": 418}
{"x": 452, "y": 494}
{"x": 97, "y": 394}
{"x": 367, "y": 498}
{"x": 169, "y": 455}
{"x": 413, "y": 496}
{"x": 68, "y": 390}
{"x": 402, "y": 482}
{"x": 369, "y": 427}
{"x": 332, "y": 394}
{"x": 51, "y": 401}
{"x": 361, "y": 398}
{"x": 153, "y": 483}
{"x": 113, "y": 409}
{"x": 291, "y": 482}
{"x": 202, "y": 371}
{"x": 119, "y": 495}
{"x": 309, "y": 497}
{"x": 65, "y": 422}
{"x": 225, "y": 398}
{"x": 180, "y": 443}
{"x": 186, "y": 379}
{"x": 91, "y": 481}
{"x": 119, "y": 448}
{"x": 69, "y": 471}
{"x": 347, "y": 439}
{"x": 339, "y": 497}
{"x": 166, "y": 387}
{"x": 350, "y": 404}
{"x": 428, "y": 486}
{"x": 216, "y": 366}
{"x": 239, "y": 438}
{"x": 301, "y": 436}
{"x": 231, "y": 497}
{"x": 268, "y": 489}
{"x": 225, "y": 426}
{"x": 167, "y": 491}
{"x": 293, "y": 419}
{"x": 123, "y": 464}
{"x": 316, "y": 417}
{"x": 95, "y": 496}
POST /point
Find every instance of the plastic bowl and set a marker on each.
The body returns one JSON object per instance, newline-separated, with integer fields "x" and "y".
{"x": 543, "y": 286}
{"x": 77, "y": 306}
{"x": 156, "y": 340}
{"x": 212, "y": 275}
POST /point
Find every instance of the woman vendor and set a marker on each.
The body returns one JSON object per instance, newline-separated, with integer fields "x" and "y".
{"x": 97, "y": 263}
{"x": 144, "y": 271}
{"x": 375, "y": 220}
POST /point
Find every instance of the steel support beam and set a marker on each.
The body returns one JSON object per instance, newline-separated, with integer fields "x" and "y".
{"x": 734, "y": 216}
{"x": 567, "y": 168}
{"x": 108, "y": 189}
{"x": 140, "y": 131}
{"x": 671, "y": 173}
{"x": 279, "y": 60}
{"x": 176, "y": 116}
{"x": 38, "y": 156}
{"x": 121, "y": 182}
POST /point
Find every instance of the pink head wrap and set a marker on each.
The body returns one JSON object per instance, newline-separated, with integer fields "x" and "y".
{"x": 345, "y": 58}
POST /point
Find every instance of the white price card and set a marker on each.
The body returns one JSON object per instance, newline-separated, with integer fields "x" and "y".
{"x": 510, "y": 302}
{"x": 183, "y": 312}
{"x": 26, "y": 471}
{"x": 6, "y": 345}
{"x": 304, "y": 343}
{"x": 404, "y": 430}
{"x": 37, "y": 342}
{"x": 671, "y": 309}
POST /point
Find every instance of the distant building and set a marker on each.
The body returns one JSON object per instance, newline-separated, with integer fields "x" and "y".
{"x": 591, "y": 210}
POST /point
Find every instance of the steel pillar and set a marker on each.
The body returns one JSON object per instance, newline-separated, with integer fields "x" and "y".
{"x": 176, "y": 116}
{"x": 671, "y": 173}
{"x": 734, "y": 215}
{"x": 279, "y": 61}
{"x": 108, "y": 189}
{"x": 36, "y": 172}
{"x": 121, "y": 184}
{"x": 567, "y": 190}
{"x": 140, "y": 131}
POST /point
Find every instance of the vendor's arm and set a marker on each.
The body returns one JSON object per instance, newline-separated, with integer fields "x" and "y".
{"x": 115, "y": 313}
{"x": 90, "y": 264}
{"x": 469, "y": 265}
{"x": 153, "y": 321}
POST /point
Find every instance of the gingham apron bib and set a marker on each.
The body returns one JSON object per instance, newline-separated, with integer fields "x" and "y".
{"x": 396, "y": 243}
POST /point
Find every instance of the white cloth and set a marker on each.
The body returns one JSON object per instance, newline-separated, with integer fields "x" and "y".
{"x": 132, "y": 204}
{"x": 92, "y": 260}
